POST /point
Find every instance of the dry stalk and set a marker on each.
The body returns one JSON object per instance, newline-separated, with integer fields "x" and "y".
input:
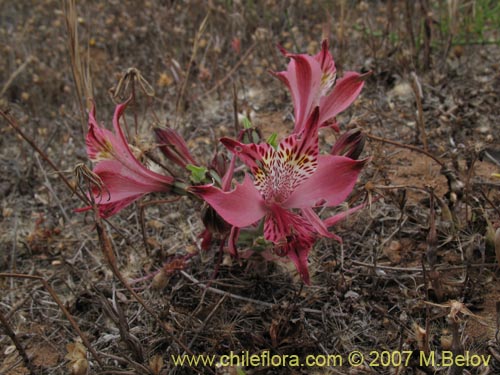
{"x": 194, "y": 50}
{"x": 417, "y": 89}
{"x": 15, "y": 74}
{"x": 246, "y": 299}
{"x": 13, "y": 123}
{"x": 64, "y": 310}
{"x": 409, "y": 16}
{"x": 427, "y": 16}
{"x": 80, "y": 69}
{"x": 235, "y": 110}
{"x": 409, "y": 147}
{"x": 20, "y": 349}
{"x": 231, "y": 72}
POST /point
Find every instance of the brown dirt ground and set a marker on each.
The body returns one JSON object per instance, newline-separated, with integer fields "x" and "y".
{"x": 372, "y": 293}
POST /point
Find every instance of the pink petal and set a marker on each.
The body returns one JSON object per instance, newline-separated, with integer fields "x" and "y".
{"x": 349, "y": 144}
{"x": 122, "y": 182}
{"x": 332, "y": 182}
{"x": 124, "y": 178}
{"x": 250, "y": 154}
{"x": 228, "y": 176}
{"x": 345, "y": 91}
{"x": 121, "y": 187}
{"x": 303, "y": 79}
{"x": 231, "y": 242}
{"x": 206, "y": 239}
{"x": 325, "y": 59}
{"x": 292, "y": 235}
{"x": 110, "y": 208}
{"x": 123, "y": 153}
{"x": 174, "y": 147}
{"x": 308, "y": 144}
{"x": 299, "y": 258}
{"x": 103, "y": 144}
{"x": 331, "y": 221}
{"x": 240, "y": 207}
{"x": 99, "y": 141}
{"x": 318, "y": 225}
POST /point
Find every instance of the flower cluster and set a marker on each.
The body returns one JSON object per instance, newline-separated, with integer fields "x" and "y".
{"x": 285, "y": 182}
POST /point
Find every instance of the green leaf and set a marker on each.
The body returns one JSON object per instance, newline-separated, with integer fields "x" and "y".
{"x": 215, "y": 176}
{"x": 246, "y": 123}
{"x": 197, "y": 173}
{"x": 272, "y": 140}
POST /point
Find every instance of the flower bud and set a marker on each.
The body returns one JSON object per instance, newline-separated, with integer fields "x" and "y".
{"x": 219, "y": 164}
{"x": 174, "y": 147}
{"x": 350, "y": 144}
{"x": 213, "y": 222}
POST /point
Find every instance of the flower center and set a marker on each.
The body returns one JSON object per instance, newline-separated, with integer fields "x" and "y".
{"x": 283, "y": 170}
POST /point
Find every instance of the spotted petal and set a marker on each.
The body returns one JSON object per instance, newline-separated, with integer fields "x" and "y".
{"x": 292, "y": 235}
{"x": 330, "y": 185}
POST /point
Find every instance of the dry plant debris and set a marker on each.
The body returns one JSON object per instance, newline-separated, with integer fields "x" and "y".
{"x": 417, "y": 269}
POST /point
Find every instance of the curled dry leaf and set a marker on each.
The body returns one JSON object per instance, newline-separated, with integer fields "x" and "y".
{"x": 393, "y": 251}
{"x": 458, "y": 311}
{"x": 77, "y": 357}
{"x": 156, "y": 364}
{"x": 421, "y": 337}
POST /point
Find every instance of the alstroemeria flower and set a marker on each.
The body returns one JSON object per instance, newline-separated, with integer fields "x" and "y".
{"x": 312, "y": 81}
{"x": 124, "y": 178}
{"x": 288, "y": 182}
{"x": 174, "y": 147}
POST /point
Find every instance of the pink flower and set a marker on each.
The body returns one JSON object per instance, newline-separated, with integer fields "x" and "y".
{"x": 124, "y": 178}
{"x": 288, "y": 182}
{"x": 174, "y": 147}
{"x": 312, "y": 81}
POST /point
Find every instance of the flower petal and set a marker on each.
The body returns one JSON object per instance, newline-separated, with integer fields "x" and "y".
{"x": 332, "y": 182}
{"x": 350, "y": 144}
{"x": 121, "y": 187}
{"x": 174, "y": 147}
{"x": 331, "y": 221}
{"x": 292, "y": 236}
{"x": 346, "y": 90}
{"x": 123, "y": 153}
{"x": 251, "y": 154}
{"x": 124, "y": 178}
{"x": 303, "y": 79}
{"x": 240, "y": 207}
{"x": 99, "y": 141}
{"x": 231, "y": 242}
{"x": 325, "y": 58}
{"x": 318, "y": 225}
{"x": 299, "y": 258}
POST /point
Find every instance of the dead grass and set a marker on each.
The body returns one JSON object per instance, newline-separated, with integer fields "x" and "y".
{"x": 424, "y": 241}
